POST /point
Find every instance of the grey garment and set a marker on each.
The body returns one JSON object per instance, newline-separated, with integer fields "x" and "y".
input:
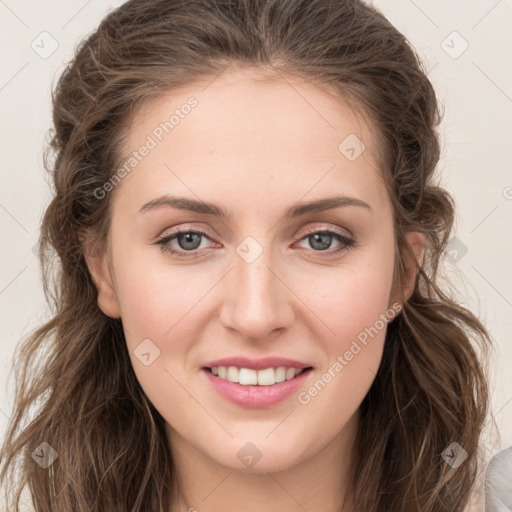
{"x": 498, "y": 483}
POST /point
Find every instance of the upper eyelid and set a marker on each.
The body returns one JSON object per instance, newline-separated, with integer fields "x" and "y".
{"x": 339, "y": 230}
{"x": 318, "y": 226}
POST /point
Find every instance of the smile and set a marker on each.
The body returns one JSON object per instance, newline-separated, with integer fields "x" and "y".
{"x": 254, "y": 395}
{"x": 248, "y": 376}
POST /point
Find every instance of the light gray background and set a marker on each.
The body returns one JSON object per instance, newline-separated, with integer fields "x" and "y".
{"x": 475, "y": 86}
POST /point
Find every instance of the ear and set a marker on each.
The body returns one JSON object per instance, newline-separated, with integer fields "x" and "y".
{"x": 412, "y": 263}
{"x": 98, "y": 265}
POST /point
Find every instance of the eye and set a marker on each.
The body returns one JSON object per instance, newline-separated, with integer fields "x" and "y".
{"x": 189, "y": 241}
{"x": 320, "y": 240}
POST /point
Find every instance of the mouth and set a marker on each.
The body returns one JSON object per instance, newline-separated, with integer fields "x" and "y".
{"x": 256, "y": 389}
{"x": 251, "y": 377}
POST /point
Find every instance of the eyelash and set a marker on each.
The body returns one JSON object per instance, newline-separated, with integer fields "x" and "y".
{"x": 343, "y": 239}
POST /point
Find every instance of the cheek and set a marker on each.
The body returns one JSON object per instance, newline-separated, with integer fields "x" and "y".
{"x": 354, "y": 307}
{"x": 352, "y": 298}
{"x": 157, "y": 299}
{"x": 355, "y": 301}
{"x": 158, "y": 303}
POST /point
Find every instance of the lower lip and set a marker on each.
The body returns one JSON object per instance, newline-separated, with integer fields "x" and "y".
{"x": 256, "y": 397}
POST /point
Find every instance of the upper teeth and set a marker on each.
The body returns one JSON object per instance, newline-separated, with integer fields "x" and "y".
{"x": 246, "y": 376}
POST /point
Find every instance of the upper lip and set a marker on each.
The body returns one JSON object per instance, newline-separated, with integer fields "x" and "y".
{"x": 256, "y": 364}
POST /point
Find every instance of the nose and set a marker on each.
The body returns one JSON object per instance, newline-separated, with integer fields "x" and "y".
{"x": 257, "y": 301}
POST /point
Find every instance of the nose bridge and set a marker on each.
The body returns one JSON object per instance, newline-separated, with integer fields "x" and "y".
{"x": 256, "y": 302}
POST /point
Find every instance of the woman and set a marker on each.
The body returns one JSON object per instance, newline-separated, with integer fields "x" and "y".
{"x": 247, "y": 310}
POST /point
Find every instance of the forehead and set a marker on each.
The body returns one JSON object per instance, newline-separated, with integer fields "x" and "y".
{"x": 250, "y": 138}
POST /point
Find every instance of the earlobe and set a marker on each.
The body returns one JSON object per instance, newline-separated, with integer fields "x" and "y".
{"x": 101, "y": 275}
{"x": 413, "y": 263}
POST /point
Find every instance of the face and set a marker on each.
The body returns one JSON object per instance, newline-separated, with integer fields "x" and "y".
{"x": 270, "y": 283}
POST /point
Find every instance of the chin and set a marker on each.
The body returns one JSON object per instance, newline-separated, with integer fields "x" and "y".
{"x": 259, "y": 456}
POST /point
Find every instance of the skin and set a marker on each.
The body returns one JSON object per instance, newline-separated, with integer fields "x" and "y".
{"x": 254, "y": 148}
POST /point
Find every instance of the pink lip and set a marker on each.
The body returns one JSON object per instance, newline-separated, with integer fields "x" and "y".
{"x": 256, "y": 364}
{"x": 256, "y": 397}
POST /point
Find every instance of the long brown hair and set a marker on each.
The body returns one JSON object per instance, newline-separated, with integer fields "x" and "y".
{"x": 430, "y": 389}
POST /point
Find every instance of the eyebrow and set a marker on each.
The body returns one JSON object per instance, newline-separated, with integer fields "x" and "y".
{"x": 297, "y": 210}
